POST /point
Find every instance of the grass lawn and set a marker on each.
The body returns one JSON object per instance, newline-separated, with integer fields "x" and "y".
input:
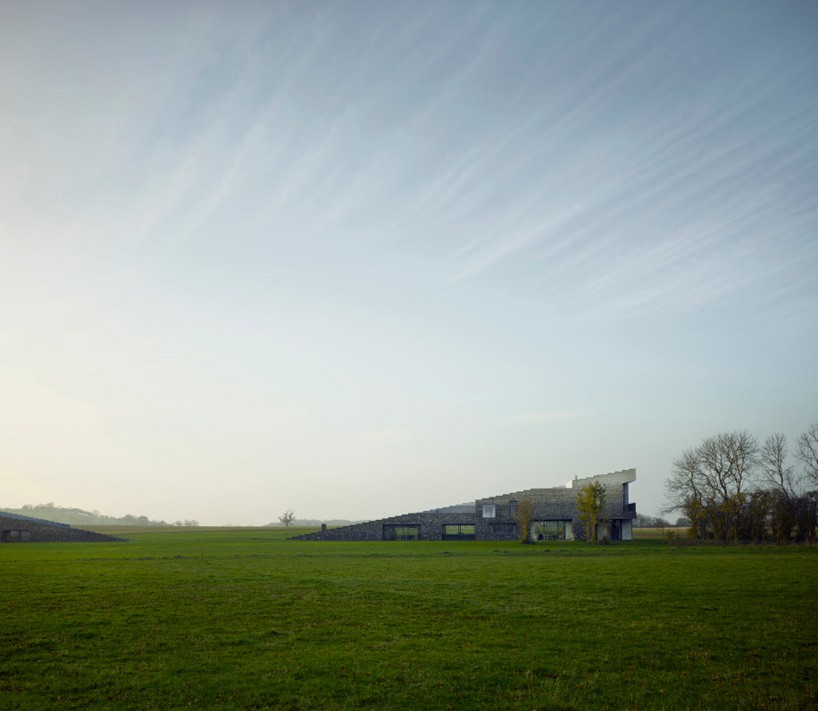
{"x": 241, "y": 618}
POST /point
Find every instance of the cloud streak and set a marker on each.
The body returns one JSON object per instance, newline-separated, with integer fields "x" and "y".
{"x": 317, "y": 243}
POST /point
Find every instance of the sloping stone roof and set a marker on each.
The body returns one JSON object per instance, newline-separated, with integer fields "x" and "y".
{"x": 32, "y": 519}
{"x": 553, "y": 503}
{"x": 39, "y": 530}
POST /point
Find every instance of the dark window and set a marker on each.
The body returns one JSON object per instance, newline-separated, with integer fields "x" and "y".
{"x": 504, "y": 529}
{"x": 458, "y": 532}
{"x": 392, "y": 532}
{"x": 15, "y": 536}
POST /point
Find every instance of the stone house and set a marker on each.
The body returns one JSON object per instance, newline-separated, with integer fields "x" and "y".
{"x": 25, "y": 529}
{"x": 554, "y": 517}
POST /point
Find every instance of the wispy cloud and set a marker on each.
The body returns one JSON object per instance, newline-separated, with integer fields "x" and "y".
{"x": 405, "y": 225}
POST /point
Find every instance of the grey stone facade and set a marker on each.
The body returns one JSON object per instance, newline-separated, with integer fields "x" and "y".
{"x": 493, "y": 518}
{"x": 24, "y": 529}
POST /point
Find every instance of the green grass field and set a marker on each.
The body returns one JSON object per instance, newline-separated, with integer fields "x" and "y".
{"x": 239, "y": 618}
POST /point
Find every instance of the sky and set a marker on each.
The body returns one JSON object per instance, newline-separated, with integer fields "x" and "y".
{"x": 357, "y": 259}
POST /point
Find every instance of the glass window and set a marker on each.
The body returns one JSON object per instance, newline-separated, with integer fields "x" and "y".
{"x": 503, "y": 528}
{"x": 489, "y": 511}
{"x": 549, "y": 530}
{"x": 458, "y": 531}
{"x": 392, "y": 532}
{"x": 15, "y": 536}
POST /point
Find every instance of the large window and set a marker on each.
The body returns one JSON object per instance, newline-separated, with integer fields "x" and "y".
{"x": 504, "y": 529}
{"x": 15, "y": 536}
{"x": 458, "y": 532}
{"x": 392, "y": 532}
{"x": 489, "y": 511}
{"x": 549, "y": 530}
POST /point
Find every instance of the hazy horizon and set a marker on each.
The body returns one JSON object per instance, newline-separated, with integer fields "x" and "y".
{"x": 359, "y": 259}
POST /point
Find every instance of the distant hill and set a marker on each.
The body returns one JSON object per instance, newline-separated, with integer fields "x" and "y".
{"x": 79, "y": 517}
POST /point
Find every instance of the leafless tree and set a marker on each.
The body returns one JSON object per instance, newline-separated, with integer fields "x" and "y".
{"x": 731, "y": 488}
{"x": 775, "y": 507}
{"x": 727, "y": 460}
{"x": 689, "y": 492}
{"x": 774, "y": 465}
{"x": 807, "y": 453}
{"x": 287, "y": 517}
{"x": 685, "y": 481}
{"x": 709, "y": 483}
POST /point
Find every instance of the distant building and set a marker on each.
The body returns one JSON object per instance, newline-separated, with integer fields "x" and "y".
{"x": 554, "y": 517}
{"x": 25, "y": 529}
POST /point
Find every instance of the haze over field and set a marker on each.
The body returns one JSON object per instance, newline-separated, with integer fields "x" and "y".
{"x": 357, "y": 259}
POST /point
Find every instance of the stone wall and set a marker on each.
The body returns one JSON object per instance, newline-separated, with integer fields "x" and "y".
{"x": 431, "y": 527}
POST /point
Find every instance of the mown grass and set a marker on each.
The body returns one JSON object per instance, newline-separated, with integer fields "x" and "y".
{"x": 239, "y": 618}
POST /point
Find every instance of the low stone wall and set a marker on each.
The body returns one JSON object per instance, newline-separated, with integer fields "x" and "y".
{"x": 430, "y": 523}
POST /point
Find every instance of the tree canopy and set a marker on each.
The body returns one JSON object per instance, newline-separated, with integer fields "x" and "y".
{"x": 590, "y": 508}
{"x": 731, "y": 487}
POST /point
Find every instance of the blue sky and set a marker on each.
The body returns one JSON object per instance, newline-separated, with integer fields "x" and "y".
{"x": 363, "y": 258}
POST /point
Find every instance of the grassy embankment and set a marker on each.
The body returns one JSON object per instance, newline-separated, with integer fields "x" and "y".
{"x": 245, "y": 619}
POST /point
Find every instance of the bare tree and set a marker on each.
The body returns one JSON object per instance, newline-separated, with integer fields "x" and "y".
{"x": 773, "y": 465}
{"x": 807, "y": 453}
{"x": 729, "y": 487}
{"x": 686, "y": 491}
{"x": 709, "y": 484}
{"x": 727, "y": 461}
{"x": 287, "y": 517}
{"x": 685, "y": 481}
{"x": 781, "y": 499}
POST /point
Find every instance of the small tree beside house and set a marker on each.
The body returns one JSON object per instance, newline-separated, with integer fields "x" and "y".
{"x": 590, "y": 509}
{"x": 523, "y": 514}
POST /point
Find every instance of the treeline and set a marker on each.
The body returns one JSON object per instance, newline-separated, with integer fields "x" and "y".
{"x": 732, "y": 487}
{"x": 645, "y": 521}
{"x": 80, "y": 517}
